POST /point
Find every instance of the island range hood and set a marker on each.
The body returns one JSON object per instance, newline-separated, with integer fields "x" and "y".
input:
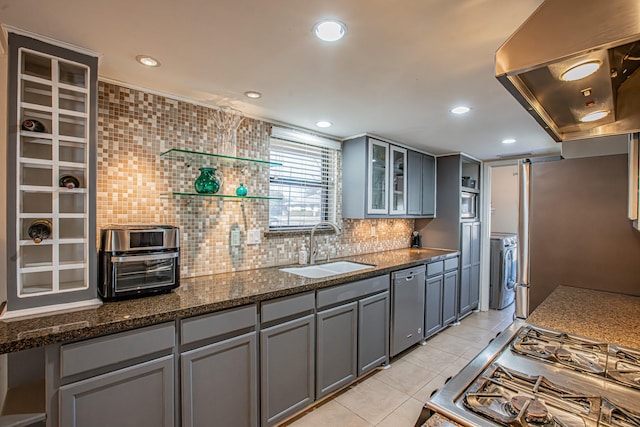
{"x": 540, "y": 65}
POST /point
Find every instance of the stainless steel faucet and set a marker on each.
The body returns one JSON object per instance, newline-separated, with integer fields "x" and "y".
{"x": 313, "y": 250}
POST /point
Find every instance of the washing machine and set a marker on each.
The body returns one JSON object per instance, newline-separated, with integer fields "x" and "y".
{"x": 503, "y": 269}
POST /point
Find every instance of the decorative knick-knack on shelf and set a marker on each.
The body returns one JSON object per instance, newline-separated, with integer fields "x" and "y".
{"x": 33, "y": 125}
{"x": 208, "y": 182}
{"x": 39, "y": 230}
{"x": 241, "y": 190}
{"x": 227, "y": 120}
{"x": 69, "y": 181}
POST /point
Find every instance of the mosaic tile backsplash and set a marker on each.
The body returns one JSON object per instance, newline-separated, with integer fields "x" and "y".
{"x": 135, "y": 184}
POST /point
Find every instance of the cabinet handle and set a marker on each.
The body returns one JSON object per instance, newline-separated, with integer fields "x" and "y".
{"x": 408, "y": 278}
{"x": 409, "y": 336}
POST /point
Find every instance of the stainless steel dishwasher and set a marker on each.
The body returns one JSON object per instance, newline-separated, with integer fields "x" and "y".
{"x": 407, "y": 308}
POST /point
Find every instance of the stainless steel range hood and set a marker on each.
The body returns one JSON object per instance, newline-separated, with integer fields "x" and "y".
{"x": 561, "y": 34}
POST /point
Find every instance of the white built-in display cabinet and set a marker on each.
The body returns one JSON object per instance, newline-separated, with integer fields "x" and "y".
{"x": 51, "y": 175}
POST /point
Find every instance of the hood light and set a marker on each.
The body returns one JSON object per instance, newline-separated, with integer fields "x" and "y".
{"x": 147, "y": 61}
{"x": 460, "y": 110}
{"x": 329, "y": 30}
{"x": 580, "y": 71}
{"x": 596, "y": 115}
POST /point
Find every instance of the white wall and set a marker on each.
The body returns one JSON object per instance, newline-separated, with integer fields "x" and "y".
{"x": 504, "y": 199}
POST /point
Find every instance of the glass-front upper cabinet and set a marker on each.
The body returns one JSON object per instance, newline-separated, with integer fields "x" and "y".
{"x": 398, "y": 183}
{"x": 378, "y": 177}
{"x": 51, "y": 208}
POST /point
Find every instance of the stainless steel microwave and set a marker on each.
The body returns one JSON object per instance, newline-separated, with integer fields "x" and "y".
{"x": 468, "y": 205}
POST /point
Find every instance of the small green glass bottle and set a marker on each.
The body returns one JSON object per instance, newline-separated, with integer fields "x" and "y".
{"x": 241, "y": 191}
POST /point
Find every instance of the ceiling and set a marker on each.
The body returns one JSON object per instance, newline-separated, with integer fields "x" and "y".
{"x": 397, "y": 73}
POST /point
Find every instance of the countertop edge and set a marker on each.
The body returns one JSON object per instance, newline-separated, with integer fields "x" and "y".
{"x": 56, "y": 336}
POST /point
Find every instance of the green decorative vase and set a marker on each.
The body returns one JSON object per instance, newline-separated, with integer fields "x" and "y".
{"x": 207, "y": 182}
{"x": 241, "y": 191}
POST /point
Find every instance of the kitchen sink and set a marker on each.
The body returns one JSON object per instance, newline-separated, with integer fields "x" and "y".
{"x": 325, "y": 270}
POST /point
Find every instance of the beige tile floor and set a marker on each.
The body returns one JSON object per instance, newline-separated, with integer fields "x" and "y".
{"x": 394, "y": 397}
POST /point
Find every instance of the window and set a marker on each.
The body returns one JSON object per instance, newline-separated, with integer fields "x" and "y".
{"x": 305, "y": 181}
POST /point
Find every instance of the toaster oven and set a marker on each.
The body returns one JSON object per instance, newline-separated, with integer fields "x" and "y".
{"x": 137, "y": 260}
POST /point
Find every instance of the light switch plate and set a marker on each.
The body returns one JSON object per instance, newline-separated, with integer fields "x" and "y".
{"x": 253, "y": 236}
{"x": 235, "y": 237}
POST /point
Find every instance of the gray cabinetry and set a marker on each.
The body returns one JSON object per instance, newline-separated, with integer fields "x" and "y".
{"x": 470, "y": 268}
{"x": 337, "y": 351}
{"x": 287, "y": 357}
{"x": 381, "y": 180}
{"x": 407, "y": 308}
{"x": 421, "y": 186}
{"x": 441, "y": 303}
{"x": 352, "y": 331}
{"x": 219, "y": 376}
{"x": 373, "y": 331}
{"x": 139, "y": 395}
{"x": 124, "y": 379}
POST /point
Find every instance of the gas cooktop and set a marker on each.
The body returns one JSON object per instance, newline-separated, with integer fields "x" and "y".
{"x": 530, "y": 376}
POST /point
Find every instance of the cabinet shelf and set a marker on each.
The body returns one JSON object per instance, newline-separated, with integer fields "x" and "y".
{"x": 176, "y": 153}
{"x": 225, "y": 196}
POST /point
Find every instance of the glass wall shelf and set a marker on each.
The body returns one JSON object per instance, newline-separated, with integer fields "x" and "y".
{"x": 176, "y": 153}
{"x": 226, "y": 196}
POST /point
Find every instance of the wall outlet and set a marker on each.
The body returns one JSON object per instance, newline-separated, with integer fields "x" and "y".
{"x": 373, "y": 231}
{"x": 235, "y": 237}
{"x": 253, "y": 236}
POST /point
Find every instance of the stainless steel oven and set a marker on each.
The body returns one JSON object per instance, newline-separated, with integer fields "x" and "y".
{"x": 138, "y": 260}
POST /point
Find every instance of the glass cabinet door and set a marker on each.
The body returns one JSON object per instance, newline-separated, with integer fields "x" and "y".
{"x": 378, "y": 177}
{"x": 398, "y": 183}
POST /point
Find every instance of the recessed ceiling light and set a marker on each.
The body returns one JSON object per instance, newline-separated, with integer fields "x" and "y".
{"x": 508, "y": 141}
{"x": 329, "y": 30}
{"x": 580, "y": 71}
{"x": 252, "y": 94}
{"x": 148, "y": 61}
{"x": 460, "y": 110}
{"x": 323, "y": 124}
{"x": 596, "y": 115}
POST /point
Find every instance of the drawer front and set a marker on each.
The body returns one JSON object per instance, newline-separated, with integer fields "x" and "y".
{"x": 435, "y": 268}
{"x": 92, "y": 354}
{"x": 352, "y": 291}
{"x": 288, "y": 306}
{"x": 216, "y": 324}
{"x": 451, "y": 264}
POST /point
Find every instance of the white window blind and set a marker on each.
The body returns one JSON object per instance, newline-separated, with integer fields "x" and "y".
{"x": 305, "y": 181}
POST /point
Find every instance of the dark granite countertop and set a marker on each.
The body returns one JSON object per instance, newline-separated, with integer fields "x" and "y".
{"x": 195, "y": 296}
{"x": 604, "y": 316}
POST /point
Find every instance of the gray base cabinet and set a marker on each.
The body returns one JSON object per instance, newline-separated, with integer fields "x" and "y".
{"x": 408, "y": 308}
{"x": 139, "y": 395}
{"x": 219, "y": 384}
{"x": 441, "y": 301}
{"x": 373, "y": 332}
{"x": 337, "y": 348}
{"x": 287, "y": 357}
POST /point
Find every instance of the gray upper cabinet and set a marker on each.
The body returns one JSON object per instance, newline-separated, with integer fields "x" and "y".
{"x": 421, "y": 185}
{"x": 219, "y": 379}
{"x": 381, "y": 180}
{"x": 287, "y": 357}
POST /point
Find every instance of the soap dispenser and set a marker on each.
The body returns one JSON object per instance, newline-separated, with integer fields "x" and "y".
{"x": 303, "y": 255}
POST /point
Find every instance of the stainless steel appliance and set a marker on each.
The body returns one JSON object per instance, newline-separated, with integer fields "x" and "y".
{"x": 531, "y": 376}
{"x": 546, "y": 63}
{"x": 408, "y": 292}
{"x": 468, "y": 205}
{"x": 136, "y": 260}
{"x": 503, "y": 261}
